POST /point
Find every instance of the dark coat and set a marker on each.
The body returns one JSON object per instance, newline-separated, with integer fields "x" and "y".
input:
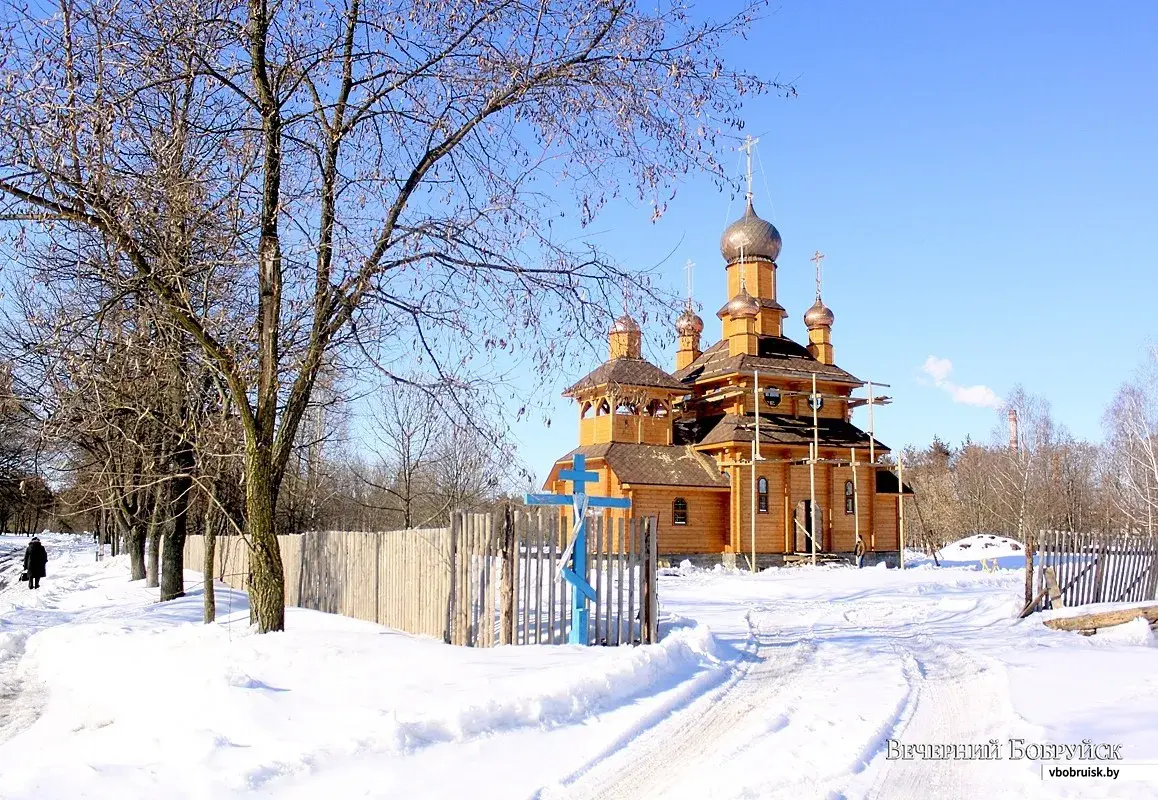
{"x": 35, "y": 559}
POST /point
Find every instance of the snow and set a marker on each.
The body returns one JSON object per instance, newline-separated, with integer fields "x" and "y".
{"x": 1006, "y": 552}
{"x": 788, "y": 683}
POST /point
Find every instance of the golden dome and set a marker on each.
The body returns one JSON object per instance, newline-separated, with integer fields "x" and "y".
{"x": 689, "y": 322}
{"x": 624, "y": 324}
{"x": 750, "y": 238}
{"x": 819, "y": 316}
{"x": 742, "y": 305}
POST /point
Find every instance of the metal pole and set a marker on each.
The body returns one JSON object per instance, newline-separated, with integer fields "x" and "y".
{"x": 755, "y": 458}
{"x": 812, "y": 401}
{"x": 901, "y": 506}
{"x": 872, "y": 434}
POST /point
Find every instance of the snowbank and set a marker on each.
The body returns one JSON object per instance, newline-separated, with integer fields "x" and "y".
{"x": 140, "y": 697}
{"x": 1000, "y": 550}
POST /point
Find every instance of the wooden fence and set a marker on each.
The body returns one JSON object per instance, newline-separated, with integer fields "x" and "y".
{"x": 1094, "y": 568}
{"x": 485, "y": 580}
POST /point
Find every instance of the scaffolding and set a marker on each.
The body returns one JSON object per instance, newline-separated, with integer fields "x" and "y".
{"x": 815, "y": 401}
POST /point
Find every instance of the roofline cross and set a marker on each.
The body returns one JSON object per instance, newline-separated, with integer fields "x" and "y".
{"x": 747, "y": 146}
{"x": 817, "y": 258}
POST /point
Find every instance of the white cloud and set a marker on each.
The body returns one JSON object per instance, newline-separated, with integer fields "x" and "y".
{"x": 939, "y": 369}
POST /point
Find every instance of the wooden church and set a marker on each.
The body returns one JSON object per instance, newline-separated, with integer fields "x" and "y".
{"x": 682, "y": 444}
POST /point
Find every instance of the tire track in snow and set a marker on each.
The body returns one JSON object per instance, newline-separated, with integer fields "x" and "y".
{"x": 695, "y": 738}
{"x": 958, "y": 698}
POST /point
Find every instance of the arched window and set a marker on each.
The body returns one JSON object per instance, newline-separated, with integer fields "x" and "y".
{"x": 762, "y": 495}
{"x": 849, "y": 498}
{"x": 679, "y": 511}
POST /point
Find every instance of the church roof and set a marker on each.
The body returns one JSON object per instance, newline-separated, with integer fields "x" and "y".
{"x": 784, "y": 430}
{"x": 627, "y": 372}
{"x": 655, "y": 464}
{"x": 778, "y": 355}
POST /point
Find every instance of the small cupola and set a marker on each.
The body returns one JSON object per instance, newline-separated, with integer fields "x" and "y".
{"x": 625, "y": 339}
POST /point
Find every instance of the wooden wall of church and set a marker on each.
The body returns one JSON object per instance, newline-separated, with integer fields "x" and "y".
{"x": 707, "y": 528}
{"x": 885, "y": 522}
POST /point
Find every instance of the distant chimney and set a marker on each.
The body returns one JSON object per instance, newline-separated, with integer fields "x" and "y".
{"x": 1014, "y": 443}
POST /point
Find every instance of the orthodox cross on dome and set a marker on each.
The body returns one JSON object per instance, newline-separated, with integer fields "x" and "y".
{"x": 817, "y": 258}
{"x": 576, "y": 551}
{"x": 747, "y": 146}
{"x": 688, "y": 269}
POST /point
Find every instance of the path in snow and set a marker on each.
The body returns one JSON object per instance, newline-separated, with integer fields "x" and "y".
{"x": 20, "y": 698}
{"x": 820, "y": 688}
{"x": 691, "y": 740}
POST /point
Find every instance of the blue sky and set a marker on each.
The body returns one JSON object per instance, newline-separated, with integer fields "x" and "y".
{"x": 984, "y": 182}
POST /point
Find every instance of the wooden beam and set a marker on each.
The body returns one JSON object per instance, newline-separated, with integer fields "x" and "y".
{"x": 1104, "y": 619}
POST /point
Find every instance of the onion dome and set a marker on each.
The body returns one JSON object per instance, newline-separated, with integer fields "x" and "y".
{"x": 819, "y": 316}
{"x": 689, "y": 322}
{"x": 742, "y": 305}
{"x": 624, "y": 324}
{"x": 751, "y": 238}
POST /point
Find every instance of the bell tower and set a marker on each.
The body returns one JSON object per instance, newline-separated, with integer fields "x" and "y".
{"x": 750, "y": 247}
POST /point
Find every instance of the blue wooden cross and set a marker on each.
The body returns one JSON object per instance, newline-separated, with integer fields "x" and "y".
{"x": 576, "y": 574}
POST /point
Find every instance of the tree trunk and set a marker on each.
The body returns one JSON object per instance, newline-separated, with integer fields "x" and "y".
{"x": 173, "y": 555}
{"x": 1104, "y": 619}
{"x": 266, "y": 579}
{"x": 153, "y": 554}
{"x": 135, "y": 545}
{"x": 210, "y": 541}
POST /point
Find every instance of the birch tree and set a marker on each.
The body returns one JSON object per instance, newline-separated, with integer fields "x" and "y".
{"x": 1131, "y": 424}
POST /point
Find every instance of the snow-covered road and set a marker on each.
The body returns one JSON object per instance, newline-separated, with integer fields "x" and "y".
{"x": 786, "y": 684}
{"x": 829, "y": 664}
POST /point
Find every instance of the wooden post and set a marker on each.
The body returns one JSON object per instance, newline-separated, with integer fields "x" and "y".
{"x": 507, "y": 589}
{"x": 901, "y": 507}
{"x": 448, "y": 634}
{"x": 855, "y": 503}
{"x": 813, "y": 401}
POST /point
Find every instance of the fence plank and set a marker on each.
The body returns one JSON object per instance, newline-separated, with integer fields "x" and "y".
{"x": 620, "y": 536}
{"x": 632, "y": 551}
{"x": 653, "y": 588}
{"x": 525, "y": 595}
{"x": 540, "y": 564}
{"x": 507, "y": 590}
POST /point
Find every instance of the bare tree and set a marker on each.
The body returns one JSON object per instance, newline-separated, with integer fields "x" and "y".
{"x": 1132, "y": 439}
{"x": 377, "y": 168}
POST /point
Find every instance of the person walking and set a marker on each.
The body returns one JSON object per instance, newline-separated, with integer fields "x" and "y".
{"x": 35, "y": 560}
{"x": 858, "y": 551}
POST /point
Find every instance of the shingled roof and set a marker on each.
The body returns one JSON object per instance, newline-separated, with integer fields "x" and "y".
{"x": 777, "y": 355}
{"x": 654, "y": 464}
{"x": 626, "y": 372}
{"x": 786, "y": 430}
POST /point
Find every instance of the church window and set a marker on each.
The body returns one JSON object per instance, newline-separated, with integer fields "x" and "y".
{"x": 679, "y": 511}
{"x": 849, "y": 498}
{"x": 762, "y": 495}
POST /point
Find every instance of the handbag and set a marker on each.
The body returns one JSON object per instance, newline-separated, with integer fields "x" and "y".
{"x": 23, "y": 576}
